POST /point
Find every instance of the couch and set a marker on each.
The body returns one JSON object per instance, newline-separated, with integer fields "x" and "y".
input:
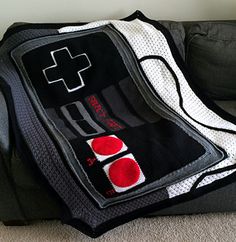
{"x": 209, "y": 50}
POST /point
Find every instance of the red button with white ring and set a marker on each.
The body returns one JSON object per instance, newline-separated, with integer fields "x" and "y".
{"x": 106, "y": 146}
{"x": 124, "y": 173}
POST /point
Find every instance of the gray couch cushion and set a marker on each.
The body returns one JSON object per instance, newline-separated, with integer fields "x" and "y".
{"x": 211, "y": 57}
{"x": 228, "y": 106}
{"x": 4, "y": 127}
{"x": 178, "y": 33}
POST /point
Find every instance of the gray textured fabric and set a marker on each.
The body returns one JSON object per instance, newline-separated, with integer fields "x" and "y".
{"x": 211, "y": 57}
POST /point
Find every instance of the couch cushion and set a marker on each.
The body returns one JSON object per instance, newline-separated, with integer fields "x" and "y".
{"x": 211, "y": 57}
{"x": 4, "y": 127}
{"x": 228, "y": 106}
{"x": 178, "y": 33}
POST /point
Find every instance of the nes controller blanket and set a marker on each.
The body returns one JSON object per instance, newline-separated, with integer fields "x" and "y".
{"x": 109, "y": 115}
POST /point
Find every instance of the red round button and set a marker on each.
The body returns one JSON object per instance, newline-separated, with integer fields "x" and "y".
{"x": 124, "y": 172}
{"x": 107, "y": 145}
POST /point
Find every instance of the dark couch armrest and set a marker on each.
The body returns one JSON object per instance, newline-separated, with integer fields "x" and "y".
{"x": 4, "y": 127}
{"x": 9, "y": 204}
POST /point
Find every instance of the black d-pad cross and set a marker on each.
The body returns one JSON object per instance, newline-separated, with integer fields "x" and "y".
{"x": 67, "y": 69}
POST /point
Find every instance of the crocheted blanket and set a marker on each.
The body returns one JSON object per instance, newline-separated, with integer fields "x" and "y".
{"x": 110, "y": 116}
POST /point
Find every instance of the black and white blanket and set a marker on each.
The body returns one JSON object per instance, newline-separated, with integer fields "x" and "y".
{"x": 110, "y": 116}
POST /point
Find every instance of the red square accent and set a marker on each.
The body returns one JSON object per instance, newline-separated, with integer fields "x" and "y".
{"x": 124, "y": 173}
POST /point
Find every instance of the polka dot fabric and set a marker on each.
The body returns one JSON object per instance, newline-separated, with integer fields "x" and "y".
{"x": 146, "y": 40}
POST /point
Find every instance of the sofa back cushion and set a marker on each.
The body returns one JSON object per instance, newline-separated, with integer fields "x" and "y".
{"x": 211, "y": 58}
{"x": 177, "y": 32}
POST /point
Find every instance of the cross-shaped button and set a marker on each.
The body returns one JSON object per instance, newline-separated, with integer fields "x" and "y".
{"x": 67, "y": 69}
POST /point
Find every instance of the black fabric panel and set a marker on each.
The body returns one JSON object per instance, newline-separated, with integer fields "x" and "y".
{"x": 105, "y": 68}
{"x": 161, "y": 148}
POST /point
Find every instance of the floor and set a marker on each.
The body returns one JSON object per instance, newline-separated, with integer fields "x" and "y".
{"x": 211, "y": 227}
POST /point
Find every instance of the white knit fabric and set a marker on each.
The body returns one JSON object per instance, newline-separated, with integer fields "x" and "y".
{"x": 147, "y": 40}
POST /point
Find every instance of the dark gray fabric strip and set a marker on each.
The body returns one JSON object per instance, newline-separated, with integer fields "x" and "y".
{"x": 138, "y": 103}
{"x": 60, "y": 124}
{"x": 119, "y": 108}
{"x": 86, "y": 117}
